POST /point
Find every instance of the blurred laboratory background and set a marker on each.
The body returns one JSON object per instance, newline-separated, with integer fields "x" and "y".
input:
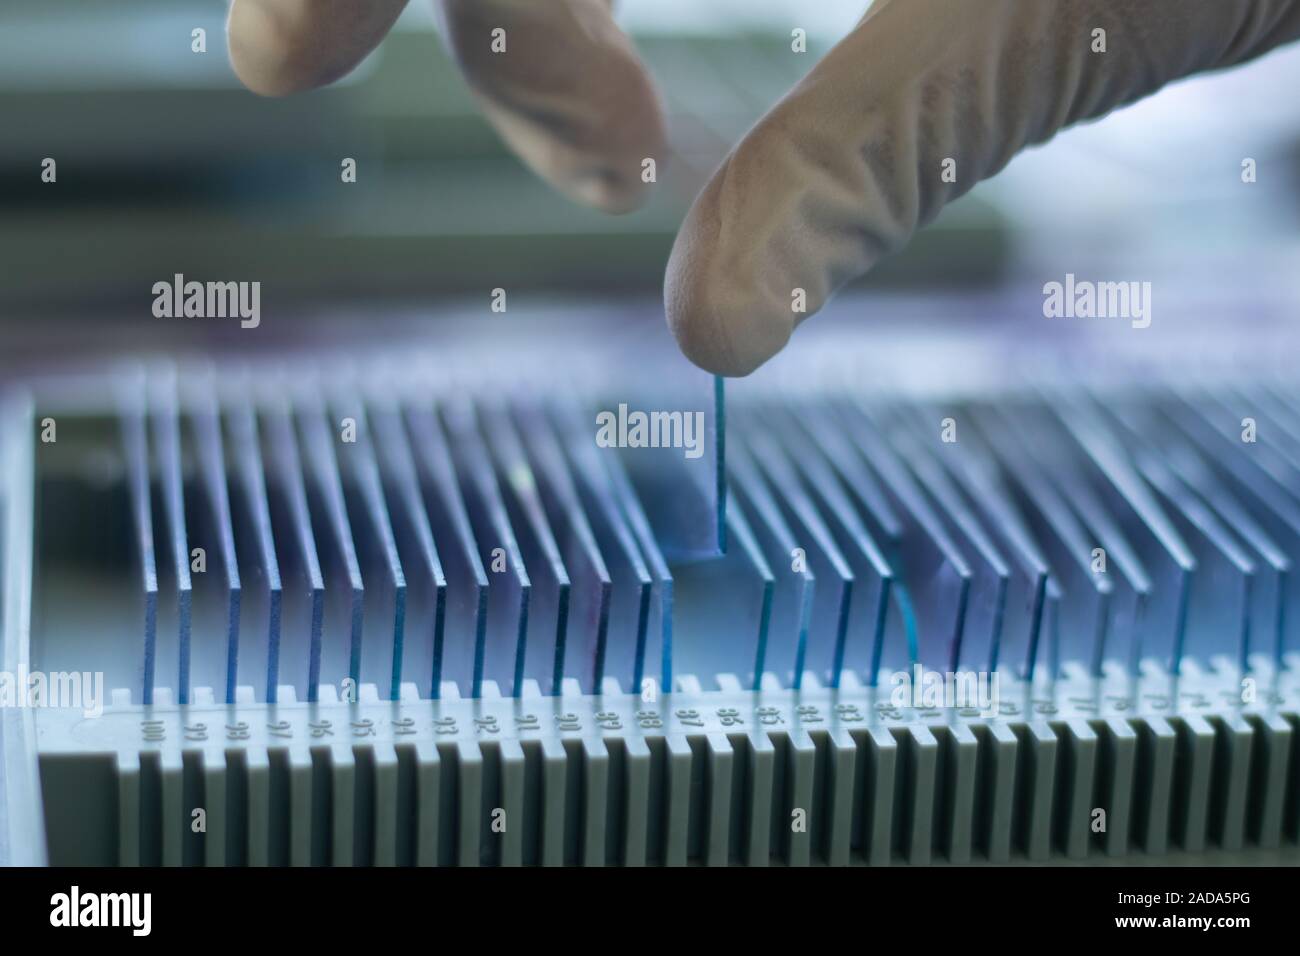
{"x": 166, "y": 165}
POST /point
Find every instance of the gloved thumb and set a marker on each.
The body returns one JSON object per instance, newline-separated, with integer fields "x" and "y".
{"x": 853, "y": 160}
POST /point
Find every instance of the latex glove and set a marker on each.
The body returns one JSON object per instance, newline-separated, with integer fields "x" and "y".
{"x": 840, "y": 173}
{"x": 845, "y": 168}
{"x": 569, "y": 94}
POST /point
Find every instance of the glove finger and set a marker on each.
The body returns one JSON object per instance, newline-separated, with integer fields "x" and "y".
{"x": 862, "y": 151}
{"x": 566, "y": 90}
{"x": 279, "y": 47}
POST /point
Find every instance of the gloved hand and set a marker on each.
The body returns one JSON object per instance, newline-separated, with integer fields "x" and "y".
{"x": 840, "y": 173}
{"x": 568, "y": 94}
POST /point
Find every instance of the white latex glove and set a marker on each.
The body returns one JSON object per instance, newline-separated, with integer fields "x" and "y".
{"x": 840, "y": 173}
{"x": 569, "y": 94}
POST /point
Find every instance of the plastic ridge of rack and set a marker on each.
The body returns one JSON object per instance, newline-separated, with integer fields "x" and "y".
{"x": 1081, "y": 768}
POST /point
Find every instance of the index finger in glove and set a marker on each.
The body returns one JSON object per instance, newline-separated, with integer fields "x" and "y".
{"x": 565, "y": 88}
